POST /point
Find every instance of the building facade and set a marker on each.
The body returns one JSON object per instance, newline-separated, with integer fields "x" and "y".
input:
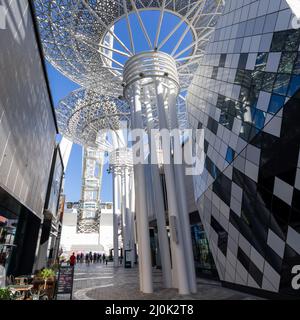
{"x": 49, "y": 241}
{"x": 74, "y": 241}
{"x": 245, "y": 97}
{"x": 27, "y": 138}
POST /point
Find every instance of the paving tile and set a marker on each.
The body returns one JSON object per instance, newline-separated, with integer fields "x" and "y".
{"x": 101, "y": 282}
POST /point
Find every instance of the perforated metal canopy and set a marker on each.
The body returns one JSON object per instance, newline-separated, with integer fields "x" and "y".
{"x": 83, "y": 114}
{"x": 82, "y": 38}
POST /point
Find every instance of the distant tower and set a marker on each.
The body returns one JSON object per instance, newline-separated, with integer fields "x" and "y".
{"x": 89, "y": 210}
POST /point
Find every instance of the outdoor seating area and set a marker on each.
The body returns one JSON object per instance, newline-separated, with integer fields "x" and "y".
{"x": 40, "y": 286}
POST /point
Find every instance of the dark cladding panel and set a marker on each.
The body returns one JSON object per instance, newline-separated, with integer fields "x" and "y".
{"x": 27, "y": 127}
{"x": 246, "y": 97}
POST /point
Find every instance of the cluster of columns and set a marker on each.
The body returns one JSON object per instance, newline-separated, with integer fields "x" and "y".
{"x": 151, "y": 87}
{"x": 176, "y": 255}
{"x": 123, "y": 202}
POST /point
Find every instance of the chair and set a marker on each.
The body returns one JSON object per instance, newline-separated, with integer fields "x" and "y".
{"x": 39, "y": 294}
{"x": 10, "y": 280}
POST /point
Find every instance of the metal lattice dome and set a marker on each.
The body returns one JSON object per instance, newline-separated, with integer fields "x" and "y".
{"x": 80, "y": 37}
{"x": 83, "y": 114}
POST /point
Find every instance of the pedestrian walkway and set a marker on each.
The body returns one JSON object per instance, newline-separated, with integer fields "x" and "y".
{"x": 104, "y": 282}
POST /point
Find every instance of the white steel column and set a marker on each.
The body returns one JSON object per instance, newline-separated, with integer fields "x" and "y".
{"x": 116, "y": 204}
{"x": 138, "y": 228}
{"x": 182, "y": 200}
{"x": 136, "y": 201}
{"x": 141, "y": 215}
{"x": 127, "y": 220}
{"x": 164, "y": 248}
{"x": 115, "y": 220}
{"x": 123, "y": 210}
{"x": 132, "y": 223}
{"x": 179, "y": 259}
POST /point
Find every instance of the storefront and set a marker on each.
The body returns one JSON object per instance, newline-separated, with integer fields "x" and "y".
{"x": 204, "y": 263}
{"x": 19, "y": 234}
{"x": 50, "y": 237}
{"x": 8, "y": 226}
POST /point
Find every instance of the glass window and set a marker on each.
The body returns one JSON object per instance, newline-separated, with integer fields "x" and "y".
{"x": 276, "y": 103}
{"x": 205, "y": 146}
{"x": 268, "y": 82}
{"x": 280, "y": 213}
{"x": 247, "y": 78}
{"x": 287, "y": 62}
{"x": 222, "y": 188}
{"x": 244, "y": 94}
{"x": 220, "y": 101}
{"x": 203, "y": 259}
{"x": 222, "y": 60}
{"x": 214, "y": 73}
{"x": 239, "y": 76}
{"x": 294, "y": 85}
{"x": 245, "y": 132}
{"x": 278, "y": 41}
{"x": 8, "y": 225}
{"x": 211, "y": 168}
{"x": 296, "y": 69}
{"x": 240, "y": 109}
{"x": 261, "y": 61}
{"x": 259, "y": 119}
{"x": 281, "y": 84}
{"x": 230, "y": 155}
{"x": 292, "y": 40}
{"x": 212, "y": 125}
{"x": 224, "y": 119}
{"x": 257, "y": 79}
{"x": 243, "y": 61}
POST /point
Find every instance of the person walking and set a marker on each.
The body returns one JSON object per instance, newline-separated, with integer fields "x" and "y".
{"x": 72, "y": 260}
{"x": 87, "y": 259}
{"x": 103, "y": 257}
{"x": 100, "y": 258}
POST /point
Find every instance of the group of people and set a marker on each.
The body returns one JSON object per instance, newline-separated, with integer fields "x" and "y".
{"x": 88, "y": 258}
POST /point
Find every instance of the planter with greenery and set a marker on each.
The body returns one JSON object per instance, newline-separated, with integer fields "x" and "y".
{"x": 6, "y": 294}
{"x": 47, "y": 274}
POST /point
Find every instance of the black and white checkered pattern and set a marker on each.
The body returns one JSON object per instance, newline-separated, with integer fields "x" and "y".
{"x": 245, "y": 96}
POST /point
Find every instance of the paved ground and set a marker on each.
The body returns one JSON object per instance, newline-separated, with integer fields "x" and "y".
{"x": 101, "y": 282}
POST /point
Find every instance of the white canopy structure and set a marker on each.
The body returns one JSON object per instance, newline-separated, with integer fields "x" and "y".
{"x": 144, "y": 52}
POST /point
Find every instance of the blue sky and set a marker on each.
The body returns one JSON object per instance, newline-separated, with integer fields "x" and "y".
{"x": 61, "y": 87}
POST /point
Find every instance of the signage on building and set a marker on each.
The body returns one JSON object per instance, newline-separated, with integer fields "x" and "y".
{"x": 61, "y": 207}
{"x": 127, "y": 259}
{"x": 2, "y": 276}
{"x": 53, "y": 195}
{"x": 65, "y": 280}
{"x": 174, "y": 229}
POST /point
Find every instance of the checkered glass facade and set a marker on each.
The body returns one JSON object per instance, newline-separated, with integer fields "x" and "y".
{"x": 246, "y": 97}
